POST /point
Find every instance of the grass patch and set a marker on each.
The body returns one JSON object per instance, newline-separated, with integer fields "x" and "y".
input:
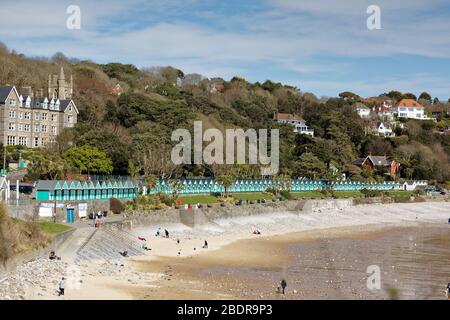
{"x": 52, "y": 228}
{"x": 202, "y": 199}
{"x": 400, "y": 193}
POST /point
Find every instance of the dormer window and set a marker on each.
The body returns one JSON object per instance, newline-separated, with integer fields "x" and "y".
{"x": 12, "y": 102}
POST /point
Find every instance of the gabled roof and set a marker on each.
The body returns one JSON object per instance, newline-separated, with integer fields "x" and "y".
{"x": 65, "y": 104}
{"x": 378, "y": 160}
{"x": 5, "y": 91}
{"x": 408, "y": 103}
{"x": 375, "y": 160}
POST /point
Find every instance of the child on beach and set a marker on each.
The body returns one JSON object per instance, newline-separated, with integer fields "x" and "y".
{"x": 205, "y": 246}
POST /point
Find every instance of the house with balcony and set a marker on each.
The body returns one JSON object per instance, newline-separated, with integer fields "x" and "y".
{"x": 296, "y": 121}
{"x": 409, "y": 109}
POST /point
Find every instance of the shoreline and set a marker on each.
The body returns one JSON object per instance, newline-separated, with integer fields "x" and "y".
{"x": 231, "y": 242}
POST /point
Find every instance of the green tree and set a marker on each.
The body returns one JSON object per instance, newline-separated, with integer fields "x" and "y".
{"x": 425, "y": 96}
{"x": 409, "y": 95}
{"x": 396, "y": 95}
{"x": 226, "y": 180}
{"x": 89, "y": 159}
{"x": 47, "y": 165}
{"x": 309, "y": 166}
{"x": 133, "y": 169}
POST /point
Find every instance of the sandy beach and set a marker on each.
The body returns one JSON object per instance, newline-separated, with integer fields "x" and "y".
{"x": 322, "y": 255}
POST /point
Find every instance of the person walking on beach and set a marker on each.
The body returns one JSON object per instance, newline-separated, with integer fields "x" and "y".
{"x": 167, "y": 233}
{"x": 62, "y": 286}
{"x": 205, "y": 246}
{"x": 283, "y": 285}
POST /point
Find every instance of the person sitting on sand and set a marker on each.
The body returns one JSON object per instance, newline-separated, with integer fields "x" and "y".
{"x": 145, "y": 247}
{"x": 256, "y": 231}
{"x": 124, "y": 254}
{"x": 142, "y": 239}
{"x": 205, "y": 246}
{"x": 158, "y": 232}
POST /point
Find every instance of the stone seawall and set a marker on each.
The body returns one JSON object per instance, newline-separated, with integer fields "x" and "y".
{"x": 194, "y": 217}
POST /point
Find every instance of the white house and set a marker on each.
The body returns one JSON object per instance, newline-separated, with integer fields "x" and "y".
{"x": 383, "y": 129}
{"x": 412, "y": 185}
{"x": 409, "y": 108}
{"x": 294, "y": 120}
{"x": 362, "y": 110}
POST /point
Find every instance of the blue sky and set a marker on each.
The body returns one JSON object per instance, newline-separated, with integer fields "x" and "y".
{"x": 319, "y": 46}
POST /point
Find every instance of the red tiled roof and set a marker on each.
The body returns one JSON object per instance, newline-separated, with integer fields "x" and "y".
{"x": 408, "y": 103}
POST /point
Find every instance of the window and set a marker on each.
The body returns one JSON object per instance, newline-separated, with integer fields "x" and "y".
{"x": 11, "y": 140}
{"x": 37, "y": 128}
{"x": 23, "y": 141}
{"x": 54, "y": 131}
{"x": 70, "y": 108}
{"x": 27, "y": 128}
{"x": 54, "y": 117}
{"x": 12, "y": 126}
{"x": 20, "y": 115}
{"x": 44, "y": 116}
{"x": 36, "y": 141}
{"x": 69, "y": 119}
{"x": 12, "y": 114}
{"x": 12, "y": 102}
{"x": 20, "y": 127}
{"x": 28, "y": 115}
{"x": 36, "y": 116}
{"x": 44, "y": 128}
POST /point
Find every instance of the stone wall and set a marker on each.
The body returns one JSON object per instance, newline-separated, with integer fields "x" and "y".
{"x": 30, "y": 209}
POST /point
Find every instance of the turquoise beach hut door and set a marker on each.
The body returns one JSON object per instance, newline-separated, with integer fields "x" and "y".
{"x": 70, "y": 215}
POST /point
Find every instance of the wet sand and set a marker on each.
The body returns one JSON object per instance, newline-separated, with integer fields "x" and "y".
{"x": 326, "y": 264}
{"x": 322, "y": 255}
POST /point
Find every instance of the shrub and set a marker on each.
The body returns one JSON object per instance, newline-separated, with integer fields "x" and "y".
{"x": 116, "y": 206}
{"x": 166, "y": 199}
{"x": 286, "y": 195}
{"x": 372, "y": 193}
